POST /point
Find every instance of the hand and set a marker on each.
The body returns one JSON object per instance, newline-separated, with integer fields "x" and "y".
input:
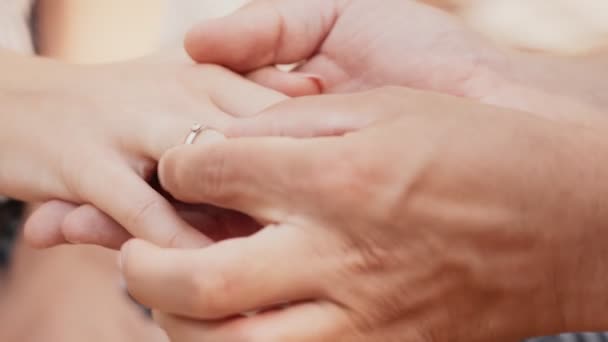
{"x": 357, "y": 44}
{"x": 440, "y": 220}
{"x": 352, "y": 45}
{"x": 94, "y": 138}
{"x": 57, "y": 222}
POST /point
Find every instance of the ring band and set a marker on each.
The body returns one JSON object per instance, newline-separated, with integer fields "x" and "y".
{"x": 195, "y": 131}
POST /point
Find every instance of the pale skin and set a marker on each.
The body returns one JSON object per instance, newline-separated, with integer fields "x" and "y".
{"x": 80, "y": 133}
{"x": 91, "y": 94}
{"x": 497, "y": 132}
{"x": 46, "y": 295}
{"x": 41, "y": 299}
{"x": 441, "y": 220}
{"x": 485, "y": 291}
{"x": 356, "y": 44}
{"x": 351, "y": 45}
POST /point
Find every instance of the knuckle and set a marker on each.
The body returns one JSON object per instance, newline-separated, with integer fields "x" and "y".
{"x": 362, "y": 179}
{"x": 206, "y": 177}
{"x": 353, "y": 175}
{"x": 76, "y": 173}
{"x": 212, "y": 292}
{"x": 217, "y": 176}
{"x": 77, "y": 182}
{"x": 137, "y": 216}
{"x": 175, "y": 238}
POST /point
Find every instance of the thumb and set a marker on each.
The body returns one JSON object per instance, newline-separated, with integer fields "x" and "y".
{"x": 263, "y": 33}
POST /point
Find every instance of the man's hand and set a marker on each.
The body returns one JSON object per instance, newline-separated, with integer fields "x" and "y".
{"x": 362, "y": 44}
{"x": 439, "y": 220}
{"x": 352, "y": 45}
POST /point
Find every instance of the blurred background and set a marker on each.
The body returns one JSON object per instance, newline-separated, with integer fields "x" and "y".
{"x": 124, "y": 29}
{"x": 554, "y": 26}
{"x": 52, "y": 289}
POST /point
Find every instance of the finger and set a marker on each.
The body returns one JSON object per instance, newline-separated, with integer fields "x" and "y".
{"x": 56, "y": 222}
{"x": 327, "y": 115}
{"x": 263, "y": 33}
{"x": 229, "y": 95}
{"x": 161, "y": 135}
{"x": 227, "y": 278}
{"x": 262, "y": 177}
{"x": 137, "y": 207}
{"x": 234, "y": 94}
{"x": 309, "y": 321}
{"x": 89, "y": 225}
{"x": 42, "y": 229}
{"x": 292, "y": 84}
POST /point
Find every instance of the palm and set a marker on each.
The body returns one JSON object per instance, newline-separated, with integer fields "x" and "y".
{"x": 351, "y": 44}
{"x": 398, "y": 43}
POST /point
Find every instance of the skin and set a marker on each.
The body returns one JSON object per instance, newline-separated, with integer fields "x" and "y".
{"x": 179, "y": 327}
{"x": 41, "y": 299}
{"x": 83, "y": 132}
{"x": 39, "y": 282}
{"x": 355, "y": 45}
{"x": 431, "y": 226}
{"x": 69, "y": 294}
{"x": 342, "y": 46}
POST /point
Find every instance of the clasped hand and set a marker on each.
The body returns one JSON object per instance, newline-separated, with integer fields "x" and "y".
{"x": 408, "y": 238}
{"x": 387, "y": 215}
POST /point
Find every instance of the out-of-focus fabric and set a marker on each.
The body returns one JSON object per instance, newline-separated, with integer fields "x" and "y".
{"x": 182, "y": 14}
{"x": 555, "y": 26}
{"x": 14, "y": 25}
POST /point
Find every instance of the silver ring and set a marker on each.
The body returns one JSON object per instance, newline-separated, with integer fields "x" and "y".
{"x": 195, "y": 131}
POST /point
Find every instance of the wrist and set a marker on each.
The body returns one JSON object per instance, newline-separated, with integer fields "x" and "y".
{"x": 580, "y": 259}
{"x": 31, "y": 94}
{"x": 570, "y": 224}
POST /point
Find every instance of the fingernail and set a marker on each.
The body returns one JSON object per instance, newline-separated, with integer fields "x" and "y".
{"x": 316, "y": 79}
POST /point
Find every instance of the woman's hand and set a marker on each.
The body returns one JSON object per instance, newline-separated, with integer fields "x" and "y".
{"x": 440, "y": 220}
{"x": 361, "y": 44}
{"x": 93, "y": 136}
